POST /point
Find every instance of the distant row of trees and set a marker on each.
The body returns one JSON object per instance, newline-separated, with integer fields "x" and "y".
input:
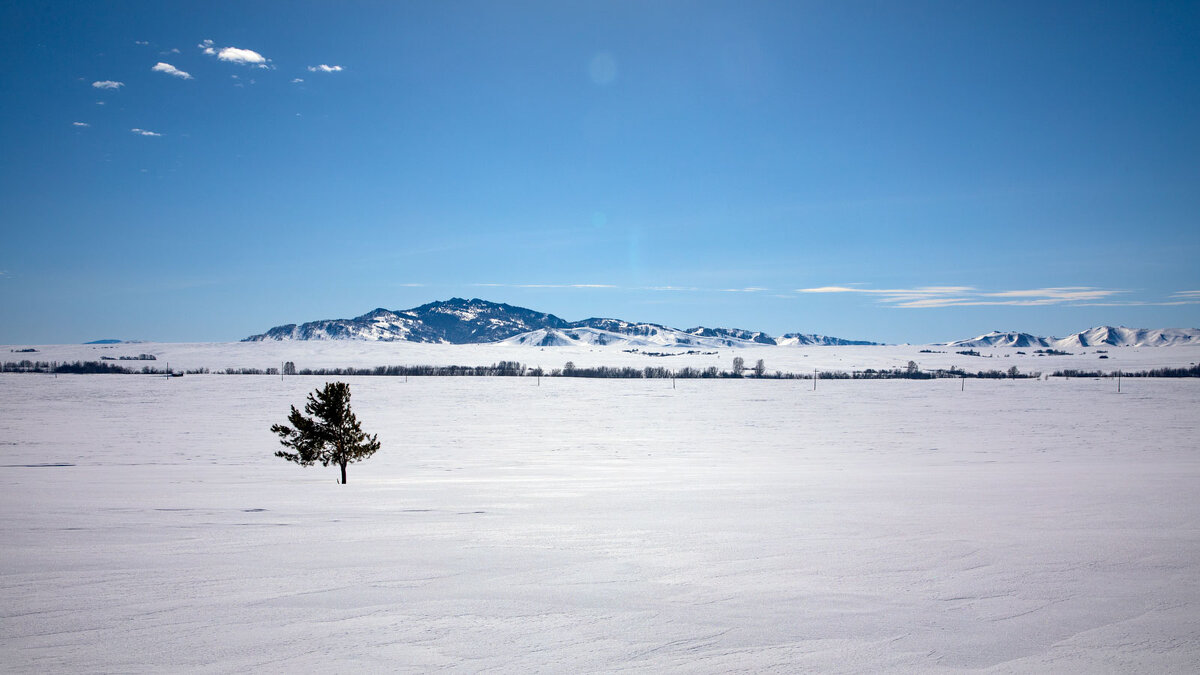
{"x": 516, "y": 369}
{"x": 77, "y": 368}
{"x": 1190, "y": 371}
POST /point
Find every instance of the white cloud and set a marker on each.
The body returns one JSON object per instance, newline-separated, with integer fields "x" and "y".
{"x": 108, "y": 84}
{"x": 831, "y": 289}
{"x": 297, "y": 80}
{"x": 99, "y": 102}
{"x": 143, "y": 132}
{"x": 243, "y": 57}
{"x": 1187, "y": 295}
{"x": 169, "y": 69}
{"x": 325, "y": 69}
{"x": 246, "y": 57}
{"x": 80, "y": 124}
{"x": 140, "y": 42}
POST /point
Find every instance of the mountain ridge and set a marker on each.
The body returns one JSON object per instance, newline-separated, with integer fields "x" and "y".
{"x": 1099, "y": 336}
{"x": 475, "y": 321}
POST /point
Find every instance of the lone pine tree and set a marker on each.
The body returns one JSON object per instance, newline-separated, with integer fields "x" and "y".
{"x": 332, "y": 435}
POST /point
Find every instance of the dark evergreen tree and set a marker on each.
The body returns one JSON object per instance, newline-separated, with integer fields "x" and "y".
{"x": 332, "y": 435}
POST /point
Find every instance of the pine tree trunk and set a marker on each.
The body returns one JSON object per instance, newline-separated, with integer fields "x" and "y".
{"x": 343, "y": 473}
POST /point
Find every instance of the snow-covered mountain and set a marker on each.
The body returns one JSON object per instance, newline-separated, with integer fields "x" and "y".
{"x": 804, "y": 339}
{"x": 1100, "y": 336}
{"x": 554, "y": 337}
{"x": 637, "y": 336}
{"x": 459, "y": 321}
{"x": 756, "y": 337}
{"x": 1003, "y": 339}
{"x": 455, "y": 321}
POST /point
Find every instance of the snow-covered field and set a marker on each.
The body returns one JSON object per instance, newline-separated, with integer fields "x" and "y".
{"x": 363, "y": 354}
{"x": 602, "y": 525}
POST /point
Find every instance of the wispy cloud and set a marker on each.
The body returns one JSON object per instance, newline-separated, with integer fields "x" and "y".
{"x": 1064, "y": 294}
{"x": 920, "y": 297}
{"x": 108, "y": 84}
{"x": 1142, "y": 303}
{"x": 325, "y": 69}
{"x": 141, "y": 42}
{"x": 297, "y": 80}
{"x": 80, "y": 124}
{"x": 143, "y": 132}
{"x": 169, "y": 69}
{"x": 965, "y": 296}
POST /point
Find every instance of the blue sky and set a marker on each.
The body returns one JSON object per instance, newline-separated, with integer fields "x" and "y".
{"x": 896, "y": 171}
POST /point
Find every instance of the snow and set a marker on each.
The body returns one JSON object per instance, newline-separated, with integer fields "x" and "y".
{"x": 584, "y": 352}
{"x": 602, "y": 525}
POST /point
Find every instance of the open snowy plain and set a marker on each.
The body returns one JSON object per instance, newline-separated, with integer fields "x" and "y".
{"x": 218, "y": 356}
{"x": 603, "y": 525}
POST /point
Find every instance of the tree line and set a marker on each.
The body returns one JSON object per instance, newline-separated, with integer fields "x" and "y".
{"x": 1190, "y": 371}
{"x": 517, "y": 369}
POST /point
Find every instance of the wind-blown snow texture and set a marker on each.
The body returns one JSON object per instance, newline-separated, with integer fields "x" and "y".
{"x": 599, "y": 525}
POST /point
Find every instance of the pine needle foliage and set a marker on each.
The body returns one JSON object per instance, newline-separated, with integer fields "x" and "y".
{"x": 329, "y": 434}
